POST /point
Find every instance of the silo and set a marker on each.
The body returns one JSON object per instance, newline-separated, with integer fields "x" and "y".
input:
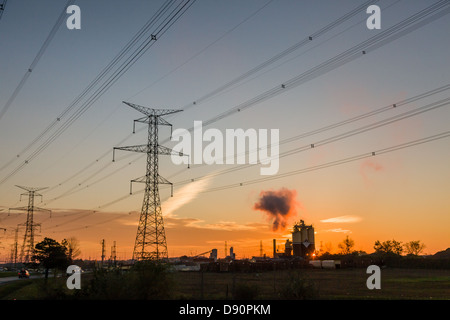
{"x": 302, "y": 239}
{"x": 304, "y": 232}
{"x": 308, "y": 246}
{"x": 296, "y": 242}
{"x": 288, "y": 248}
{"x": 311, "y": 235}
{"x": 296, "y": 236}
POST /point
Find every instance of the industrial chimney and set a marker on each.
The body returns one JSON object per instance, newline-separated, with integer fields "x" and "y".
{"x": 275, "y": 249}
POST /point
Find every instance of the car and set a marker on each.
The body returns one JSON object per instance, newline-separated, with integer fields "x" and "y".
{"x": 24, "y": 274}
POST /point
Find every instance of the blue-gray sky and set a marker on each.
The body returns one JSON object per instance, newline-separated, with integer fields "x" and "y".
{"x": 408, "y": 186}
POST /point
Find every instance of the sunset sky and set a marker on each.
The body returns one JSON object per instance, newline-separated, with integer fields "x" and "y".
{"x": 402, "y": 195}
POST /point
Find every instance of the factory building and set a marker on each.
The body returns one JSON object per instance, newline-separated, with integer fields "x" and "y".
{"x": 213, "y": 254}
{"x": 302, "y": 243}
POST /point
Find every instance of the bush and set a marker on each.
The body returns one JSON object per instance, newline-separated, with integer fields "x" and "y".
{"x": 144, "y": 281}
{"x": 298, "y": 288}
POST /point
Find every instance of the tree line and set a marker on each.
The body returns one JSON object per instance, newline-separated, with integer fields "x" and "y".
{"x": 414, "y": 247}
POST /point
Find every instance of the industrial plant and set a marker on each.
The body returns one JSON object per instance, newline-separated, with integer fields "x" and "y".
{"x": 302, "y": 244}
{"x": 299, "y": 251}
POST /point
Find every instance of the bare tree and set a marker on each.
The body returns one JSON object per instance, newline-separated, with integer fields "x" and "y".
{"x": 73, "y": 247}
{"x": 346, "y": 246}
{"x": 414, "y": 247}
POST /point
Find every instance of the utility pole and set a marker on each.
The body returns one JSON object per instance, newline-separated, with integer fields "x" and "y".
{"x": 16, "y": 238}
{"x": 150, "y": 242}
{"x": 4, "y": 231}
{"x": 103, "y": 251}
{"x": 260, "y": 249}
{"x": 113, "y": 254}
{"x": 27, "y": 249}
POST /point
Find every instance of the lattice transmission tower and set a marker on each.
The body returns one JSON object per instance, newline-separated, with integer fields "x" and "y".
{"x": 150, "y": 243}
{"x": 27, "y": 249}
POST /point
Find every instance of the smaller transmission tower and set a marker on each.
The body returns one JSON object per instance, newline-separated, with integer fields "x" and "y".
{"x": 113, "y": 255}
{"x": 14, "y": 247}
{"x": 103, "y": 251}
{"x": 27, "y": 249}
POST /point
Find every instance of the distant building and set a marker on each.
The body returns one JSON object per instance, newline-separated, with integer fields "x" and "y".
{"x": 213, "y": 255}
{"x": 303, "y": 242}
{"x": 232, "y": 254}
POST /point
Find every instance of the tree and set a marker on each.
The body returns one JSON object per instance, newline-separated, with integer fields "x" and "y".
{"x": 328, "y": 247}
{"x": 346, "y": 245}
{"x": 73, "y": 248}
{"x": 414, "y": 247}
{"x": 51, "y": 254}
{"x": 389, "y": 246}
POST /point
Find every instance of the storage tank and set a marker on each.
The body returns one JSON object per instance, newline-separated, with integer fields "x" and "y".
{"x": 304, "y": 232}
{"x": 311, "y": 234}
{"x": 303, "y": 239}
{"x": 288, "y": 247}
{"x": 296, "y": 237}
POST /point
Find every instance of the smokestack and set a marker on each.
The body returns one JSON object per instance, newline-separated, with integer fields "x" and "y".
{"x": 275, "y": 249}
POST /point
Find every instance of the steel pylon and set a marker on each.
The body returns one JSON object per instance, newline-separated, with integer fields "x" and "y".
{"x": 150, "y": 243}
{"x": 27, "y": 249}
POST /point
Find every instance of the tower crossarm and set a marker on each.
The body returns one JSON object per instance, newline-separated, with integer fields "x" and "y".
{"x": 143, "y": 148}
{"x": 162, "y": 150}
{"x": 144, "y": 179}
{"x": 150, "y": 112}
{"x": 31, "y": 189}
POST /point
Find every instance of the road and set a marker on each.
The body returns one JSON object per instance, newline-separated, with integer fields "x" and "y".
{"x": 16, "y": 278}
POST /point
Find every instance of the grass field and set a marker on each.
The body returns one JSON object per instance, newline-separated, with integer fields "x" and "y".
{"x": 317, "y": 284}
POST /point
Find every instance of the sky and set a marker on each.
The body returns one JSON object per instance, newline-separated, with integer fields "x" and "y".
{"x": 401, "y": 195}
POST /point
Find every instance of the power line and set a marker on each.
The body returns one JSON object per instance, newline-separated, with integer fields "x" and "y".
{"x": 138, "y": 36}
{"x": 36, "y": 59}
{"x": 191, "y": 58}
{"x": 232, "y": 87}
{"x": 410, "y": 30}
{"x": 351, "y": 133}
{"x": 119, "y": 216}
{"x": 390, "y": 107}
{"x": 308, "y": 169}
{"x": 402, "y": 116}
{"x": 282, "y": 54}
{"x": 164, "y": 25}
{"x": 417, "y": 20}
{"x": 375, "y": 125}
{"x": 336, "y": 162}
{"x": 84, "y": 185}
